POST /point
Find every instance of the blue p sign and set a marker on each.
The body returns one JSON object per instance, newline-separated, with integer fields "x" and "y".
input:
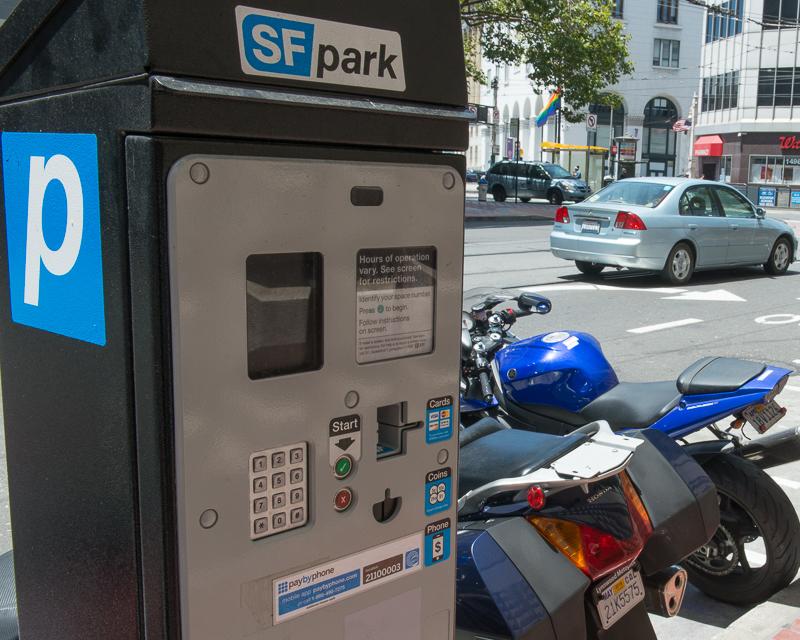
{"x": 53, "y": 226}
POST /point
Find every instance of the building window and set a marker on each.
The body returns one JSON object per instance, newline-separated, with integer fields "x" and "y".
{"x": 668, "y": 11}
{"x": 616, "y": 12}
{"x": 724, "y": 21}
{"x": 720, "y": 92}
{"x": 778, "y": 87}
{"x": 769, "y": 170}
{"x": 780, "y": 13}
{"x": 666, "y": 53}
{"x": 725, "y": 168}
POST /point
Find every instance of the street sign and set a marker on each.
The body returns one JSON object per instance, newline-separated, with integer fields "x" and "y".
{"x": 496, "y": 150}
{"x": 591, "y": 122}
{"x": 514, "y": 128}
{"x": 496, "y": 116}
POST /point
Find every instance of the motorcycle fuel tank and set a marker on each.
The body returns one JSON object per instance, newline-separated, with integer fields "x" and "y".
{"x": 566, "y": 369}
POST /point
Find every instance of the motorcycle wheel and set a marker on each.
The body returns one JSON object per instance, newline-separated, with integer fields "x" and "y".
{"x": 752, "y": 507}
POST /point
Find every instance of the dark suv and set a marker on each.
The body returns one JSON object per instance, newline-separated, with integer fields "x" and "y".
{"x": 535, "y": 180}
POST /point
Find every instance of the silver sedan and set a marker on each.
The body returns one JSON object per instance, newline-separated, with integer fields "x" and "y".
{"x": 672, "y": 225}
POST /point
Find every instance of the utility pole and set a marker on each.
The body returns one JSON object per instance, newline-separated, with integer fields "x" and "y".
{"x": 693, "y": 116}
{"x": 611, "y": 144}
{"x": 495, "y": 87}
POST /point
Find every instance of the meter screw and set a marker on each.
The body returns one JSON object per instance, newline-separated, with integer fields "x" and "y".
{"x": 199, "y": 173}
{"x": 208, "y": 518}
{"x": 385, "y": 509}
{"x": 443, "y": 456}
{"x": 448, "y": 181}
{"x": 351, "y": 399}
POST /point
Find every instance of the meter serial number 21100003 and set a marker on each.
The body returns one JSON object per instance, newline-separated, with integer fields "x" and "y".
{"x": 383, "y": 569}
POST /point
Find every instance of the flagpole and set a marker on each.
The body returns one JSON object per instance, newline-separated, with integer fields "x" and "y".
{"x": 691, "y": 136}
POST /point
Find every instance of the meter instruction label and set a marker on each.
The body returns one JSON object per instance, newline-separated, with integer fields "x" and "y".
{"x": 439, "y": 419}
{"x": 344, "y": 437}
{"x": 438, "y": 490}
{"x": 52, "y": 199}
{"x": 289, "y": 46}
{"x": 396, "y": 292}
{"x": 299, "y": 593}
{"x": 437, "y": 542}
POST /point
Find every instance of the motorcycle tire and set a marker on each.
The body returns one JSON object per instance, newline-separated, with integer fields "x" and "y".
{"x": 749, "y": 499}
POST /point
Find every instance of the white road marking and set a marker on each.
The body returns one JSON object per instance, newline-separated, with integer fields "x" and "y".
{"x": 581, "y": 286}
{"x": 795, "y": 361}
{"x": 608, "y": 287}
{"x": 665, "y": 325}
{"x": 717, "y": 295}
{"x": 778, "y": 318}
{"x": 786, "y": 483}
{"x": 789, "y": 387}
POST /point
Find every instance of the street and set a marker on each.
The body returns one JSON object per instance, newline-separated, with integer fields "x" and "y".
{"x": 650, "y": 331}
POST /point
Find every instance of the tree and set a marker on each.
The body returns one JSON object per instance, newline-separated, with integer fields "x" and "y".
{"x": 573, "y": 44}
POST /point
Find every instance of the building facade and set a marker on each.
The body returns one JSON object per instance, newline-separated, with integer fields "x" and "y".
{"x": 665, "y": 40}
{"x": 748, "y": 129}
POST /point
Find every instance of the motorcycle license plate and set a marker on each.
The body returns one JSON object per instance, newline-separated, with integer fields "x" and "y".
{"x": 590, "y": 226}
{"x": 764, "y": 416}
{"x": 618, "y": 595}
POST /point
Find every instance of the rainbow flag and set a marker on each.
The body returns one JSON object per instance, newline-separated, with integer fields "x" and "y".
{"x": 549, "y": 109}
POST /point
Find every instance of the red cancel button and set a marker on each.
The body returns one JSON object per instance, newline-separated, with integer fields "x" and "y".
{"x": 343, "y": 499}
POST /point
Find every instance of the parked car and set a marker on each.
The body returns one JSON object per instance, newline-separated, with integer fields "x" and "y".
{"x": 535, "y": 180}
{"x": 672, "y": 225}
{"x": 472, "y": 176}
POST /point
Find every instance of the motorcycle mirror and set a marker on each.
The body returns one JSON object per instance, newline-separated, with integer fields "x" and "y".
{"x": 534, "y": 303}
{"x": 467, "y": 321}
{"x": 466, "y": 343}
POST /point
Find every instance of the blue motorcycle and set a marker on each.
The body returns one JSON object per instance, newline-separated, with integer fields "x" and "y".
{"x": 555, "y": 382}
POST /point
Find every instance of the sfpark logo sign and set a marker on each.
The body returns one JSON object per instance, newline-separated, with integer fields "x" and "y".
{"x": 281, "y": 45}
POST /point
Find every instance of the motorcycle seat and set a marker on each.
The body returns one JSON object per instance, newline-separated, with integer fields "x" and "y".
{"x": 718, "y": 375}
{"x": 500, "y": 452}
{"x": 633, "y": 405}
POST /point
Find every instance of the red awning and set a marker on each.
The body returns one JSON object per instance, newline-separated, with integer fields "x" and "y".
{"x": 708, "y": 146}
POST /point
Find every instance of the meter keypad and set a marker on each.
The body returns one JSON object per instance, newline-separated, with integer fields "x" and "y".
{"x": 275, "y": 507}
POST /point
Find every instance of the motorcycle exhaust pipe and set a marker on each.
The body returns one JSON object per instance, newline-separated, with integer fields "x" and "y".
{"x": 663, "y": 591}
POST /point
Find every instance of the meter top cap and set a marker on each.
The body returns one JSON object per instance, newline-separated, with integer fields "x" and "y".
{"x": 404, "y": 51}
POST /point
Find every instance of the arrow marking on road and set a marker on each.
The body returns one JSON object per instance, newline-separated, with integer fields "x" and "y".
{"x": 717, "y": 295}
{"x": 665, "y": 325}
{"x": 788, "y": 484}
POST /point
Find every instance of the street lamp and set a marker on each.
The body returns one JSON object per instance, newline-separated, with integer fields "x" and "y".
{"x": 495, "y": 86}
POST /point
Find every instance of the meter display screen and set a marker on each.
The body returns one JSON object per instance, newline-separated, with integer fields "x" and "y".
{"x": 284, "y": 314}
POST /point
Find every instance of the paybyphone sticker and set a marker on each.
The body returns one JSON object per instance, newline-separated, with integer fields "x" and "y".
{"x": 437, "y": 542}
{"x": 396, "y": 293}
{"x": 438, "y": 490}
{"x": 439, "y": 419}
{"x": 322, "y": 585}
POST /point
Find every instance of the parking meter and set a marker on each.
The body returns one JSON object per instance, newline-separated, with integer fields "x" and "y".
{"x": 230, "y": 342}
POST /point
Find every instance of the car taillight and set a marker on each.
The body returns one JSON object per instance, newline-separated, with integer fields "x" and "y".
{"x": 562, "y": 215}
{"x": 596, "y": 552}
{"x": 626, "y": 220}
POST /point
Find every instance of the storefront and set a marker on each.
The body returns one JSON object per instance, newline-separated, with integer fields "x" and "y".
{"x": 765, "y": 165}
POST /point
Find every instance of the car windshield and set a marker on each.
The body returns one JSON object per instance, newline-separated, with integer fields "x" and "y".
{"x": 555, "y": 171}
{"x": 643, "y": 194}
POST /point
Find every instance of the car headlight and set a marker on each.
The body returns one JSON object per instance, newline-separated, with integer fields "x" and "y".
{"x": 567, "y": 186}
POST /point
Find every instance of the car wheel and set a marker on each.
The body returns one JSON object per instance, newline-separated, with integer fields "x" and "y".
{"x": 555, "y": 197}
{"x": 498, "y": 193}
{"x": 680, "y": 264}
{"x": 589, "y": 268}
{"x": 780, "y": 258}
{"x": 525, "y": 199}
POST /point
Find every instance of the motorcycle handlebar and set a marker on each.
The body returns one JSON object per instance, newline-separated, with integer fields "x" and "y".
{"x": 486, "y": 386}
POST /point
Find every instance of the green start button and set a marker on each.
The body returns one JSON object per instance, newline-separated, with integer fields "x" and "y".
{"x": 343, "y": 467}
